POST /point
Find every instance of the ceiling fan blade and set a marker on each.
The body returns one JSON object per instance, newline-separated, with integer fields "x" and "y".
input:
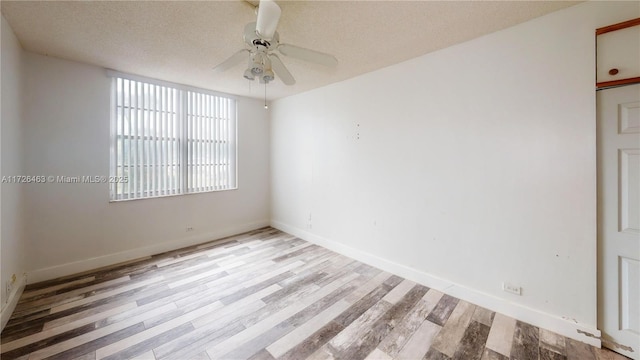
{"x": 268, "y": 17}
{"x": 308, "y": 55}
{"x": 281, "y": 70}
{"x": 232, "y": 61}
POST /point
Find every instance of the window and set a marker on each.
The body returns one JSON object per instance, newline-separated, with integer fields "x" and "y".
{"x": 169, "y": 140}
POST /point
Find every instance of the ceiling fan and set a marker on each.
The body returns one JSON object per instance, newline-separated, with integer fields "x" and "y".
{"x": 262, "y": 46}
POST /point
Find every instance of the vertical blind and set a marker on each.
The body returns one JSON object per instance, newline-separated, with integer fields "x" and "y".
{"x": 210, "y": 133}
{"x": 168, "y": 140}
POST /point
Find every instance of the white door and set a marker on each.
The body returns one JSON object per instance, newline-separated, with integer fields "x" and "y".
{"x": 619, "y": 219}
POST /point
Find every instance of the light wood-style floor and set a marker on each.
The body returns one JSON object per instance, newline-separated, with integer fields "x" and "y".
{"x": 263, "y": 295}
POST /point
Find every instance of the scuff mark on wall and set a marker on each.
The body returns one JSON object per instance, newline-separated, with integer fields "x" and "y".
{"x": 612, "y": 344}
{"x": 606, "y": 341}
{"x": 587, "y": 334}
{"x": 571, "y": 319}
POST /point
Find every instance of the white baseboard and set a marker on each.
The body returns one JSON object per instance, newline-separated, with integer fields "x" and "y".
{"x": 115, "y": 258}
{"x": 12, "y": 301}
{"x": 565, "y": 327}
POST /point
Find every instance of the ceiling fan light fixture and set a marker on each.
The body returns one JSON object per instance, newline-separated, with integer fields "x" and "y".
{"x": 255, "y": 64}
{"x": 256, "y": 69}
{"x": 268, "y": 76}
{"x": 248, "y": 74}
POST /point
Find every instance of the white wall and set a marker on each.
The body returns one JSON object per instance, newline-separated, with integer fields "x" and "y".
{"x": 12, "y": 236}
{"x": 462, "y": 168}
{"x": 73, "y": 227}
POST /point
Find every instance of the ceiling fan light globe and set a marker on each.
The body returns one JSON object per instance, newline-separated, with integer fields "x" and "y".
{"x": 257, "y": 69}
{"x": 248, "y": 74}
{"x": 268, "y": 76}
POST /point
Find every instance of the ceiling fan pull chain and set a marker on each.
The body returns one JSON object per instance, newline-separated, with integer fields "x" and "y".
{"x": 265, "y": 96}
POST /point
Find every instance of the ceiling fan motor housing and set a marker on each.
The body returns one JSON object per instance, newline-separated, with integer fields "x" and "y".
{"x": 252, "y": 38}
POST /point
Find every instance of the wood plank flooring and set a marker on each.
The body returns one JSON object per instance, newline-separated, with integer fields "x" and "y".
{"x": 263, "y": 295}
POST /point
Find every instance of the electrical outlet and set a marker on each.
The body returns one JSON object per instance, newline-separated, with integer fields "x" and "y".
{"x": 8, "y": 287}
{"x": 189, "y": 228}
{"x": 510, "y": 288}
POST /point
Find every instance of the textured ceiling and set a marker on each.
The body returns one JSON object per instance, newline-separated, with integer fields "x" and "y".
{"x": 181, "y": 41}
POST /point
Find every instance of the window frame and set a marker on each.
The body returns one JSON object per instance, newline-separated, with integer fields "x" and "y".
{"x": 182, "y": 137}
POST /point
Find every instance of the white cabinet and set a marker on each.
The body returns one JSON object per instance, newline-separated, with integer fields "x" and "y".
{"x": 618, "y": 57}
